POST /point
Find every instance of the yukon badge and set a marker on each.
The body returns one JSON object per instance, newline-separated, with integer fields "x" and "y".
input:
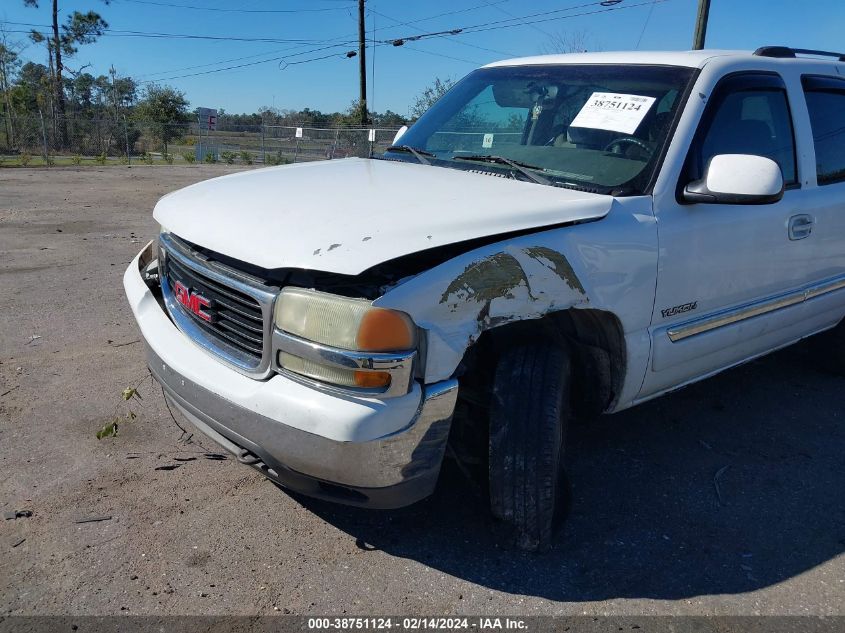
{"x": 684, "y": 307}
{"x": 192, "y": 301}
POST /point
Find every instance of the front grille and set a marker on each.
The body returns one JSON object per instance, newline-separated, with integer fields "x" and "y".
{"x": 238, "y": 308}
{"x": 235, "y": 317}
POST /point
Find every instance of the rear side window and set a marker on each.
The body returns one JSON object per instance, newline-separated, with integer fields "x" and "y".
{"x": 826, "y": 105}
{"x": 747, "y": 114}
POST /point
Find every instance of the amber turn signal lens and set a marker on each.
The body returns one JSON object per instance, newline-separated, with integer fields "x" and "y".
{"x": 372, "y": 379}
{"x": 385, "y": 331}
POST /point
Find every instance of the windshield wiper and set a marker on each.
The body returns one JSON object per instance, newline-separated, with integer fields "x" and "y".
{"x": 521, "y": 167}
{"x": 419, "y": 154}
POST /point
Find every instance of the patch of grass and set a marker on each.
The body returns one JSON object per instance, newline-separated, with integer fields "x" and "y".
{"x": 277, "y": 159}
{"x": 189, "y": 157}
{"x": 246, "y": 157}
{"x": 25, "y": 159}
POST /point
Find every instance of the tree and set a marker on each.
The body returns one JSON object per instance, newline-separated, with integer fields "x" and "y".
{"x": 9, "y": 65}
{"x": 429, "y": 96}
{"x": 32, "y": 88}
{"x": 389, "y": 119}
{"x": 79, "y": 28}
{"x": 165, "y": 108}
{"x": 569, "y": 42}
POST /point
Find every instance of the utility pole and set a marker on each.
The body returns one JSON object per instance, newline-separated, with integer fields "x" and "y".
{"x": 113, "y": 72}
{"x": 362, "y": 63}
{"x": 701, "y": 25}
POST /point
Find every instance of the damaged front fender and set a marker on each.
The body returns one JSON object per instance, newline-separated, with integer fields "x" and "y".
{"x": 486, "y": 288}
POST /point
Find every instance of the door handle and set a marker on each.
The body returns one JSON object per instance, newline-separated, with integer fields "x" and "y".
{"x": 800, "y": 226}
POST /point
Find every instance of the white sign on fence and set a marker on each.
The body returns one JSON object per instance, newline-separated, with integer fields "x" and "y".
{"x": 207, "y": 118}
{"x": 298, "y": 132}
{"x": 372, "y": 136}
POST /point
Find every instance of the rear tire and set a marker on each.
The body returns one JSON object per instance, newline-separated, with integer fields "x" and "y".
{"x": 529, "y": 414}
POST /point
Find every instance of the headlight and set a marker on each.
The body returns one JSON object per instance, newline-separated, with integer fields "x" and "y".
{"x": 340, "y": 322}
{"x": 352, "y": 324}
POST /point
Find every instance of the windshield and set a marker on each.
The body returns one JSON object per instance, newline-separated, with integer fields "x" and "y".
{"x": 596, "y": 127}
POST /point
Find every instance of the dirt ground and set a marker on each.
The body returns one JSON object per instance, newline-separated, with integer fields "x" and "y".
{"x": 725, "y": 498}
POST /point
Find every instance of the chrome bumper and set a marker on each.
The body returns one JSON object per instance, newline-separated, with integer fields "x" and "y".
{"x": 387, "y": 472}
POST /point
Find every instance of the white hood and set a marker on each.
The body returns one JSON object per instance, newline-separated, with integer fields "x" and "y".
{"x": 348, "y": 215}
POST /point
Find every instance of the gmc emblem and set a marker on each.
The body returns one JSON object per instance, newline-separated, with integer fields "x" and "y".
{"x": 192, "y": 301}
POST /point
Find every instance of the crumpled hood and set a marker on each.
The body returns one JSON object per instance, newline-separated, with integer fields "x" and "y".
{"x": 345, "y": 216}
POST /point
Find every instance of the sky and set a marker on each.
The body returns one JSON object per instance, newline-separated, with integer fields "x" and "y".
{"x": 292, "y": 53}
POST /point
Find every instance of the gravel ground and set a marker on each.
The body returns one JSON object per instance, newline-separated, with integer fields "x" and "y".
{"x": 725, "y": 498}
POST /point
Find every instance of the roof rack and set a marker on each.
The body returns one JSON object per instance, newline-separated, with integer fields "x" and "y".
{"x": 784, "y": 52}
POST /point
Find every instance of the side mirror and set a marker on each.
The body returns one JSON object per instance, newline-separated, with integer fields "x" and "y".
{"x": 737, "y": 179}
{"x": 399, "y": 134}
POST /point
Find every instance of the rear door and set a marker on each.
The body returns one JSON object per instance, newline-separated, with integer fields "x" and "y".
{"x": 824, "y": 202}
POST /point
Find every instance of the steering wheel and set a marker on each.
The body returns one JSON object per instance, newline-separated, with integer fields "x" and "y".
{"x": 632, "y": 140}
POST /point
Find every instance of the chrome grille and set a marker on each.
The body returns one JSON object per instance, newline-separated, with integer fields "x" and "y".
{"x": 239, "y": 306}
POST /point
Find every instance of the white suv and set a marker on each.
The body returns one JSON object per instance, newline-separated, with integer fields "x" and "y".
{"x": 558, "y": 235}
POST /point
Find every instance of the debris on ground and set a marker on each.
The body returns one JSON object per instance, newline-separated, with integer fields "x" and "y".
{"x": 716, "y": 478}
{"x": 94, "y": 519}
{"x": 168, "y": 467}
{"x": 18, "y": 542}
{"x": 32, "y": 338}
{"x": 17, "y": 514}
{"x": 113, "y": 344}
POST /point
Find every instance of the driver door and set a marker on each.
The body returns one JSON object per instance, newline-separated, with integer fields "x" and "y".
{"x": 725, "y": 270}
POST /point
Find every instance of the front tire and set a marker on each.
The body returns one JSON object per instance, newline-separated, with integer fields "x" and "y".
{"x": 529, "y": 415}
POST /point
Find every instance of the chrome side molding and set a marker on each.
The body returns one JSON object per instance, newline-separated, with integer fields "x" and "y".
{"x": 748, "y": 311}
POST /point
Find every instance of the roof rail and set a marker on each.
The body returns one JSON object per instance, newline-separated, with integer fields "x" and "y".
{"x": 784, "y": 52}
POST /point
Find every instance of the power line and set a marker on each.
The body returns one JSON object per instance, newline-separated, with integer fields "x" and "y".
{"x": 279, "y": 59}
{"x": 440, "y": 15}
{"x": 190, "y": 36}
{"x": 645, "y": 25}
{"x": 223, "y": 10}
{"x": 545, "y": 15}
{"x": 458, "y": 59}
{"x": 602, "y": 7}
{"x": 495, "y": 5}
{"x": 482, "y": 48}
{"x": 221, "y": 61}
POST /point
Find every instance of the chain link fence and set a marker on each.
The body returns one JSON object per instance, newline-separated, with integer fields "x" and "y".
{"x": 34, "y": 140}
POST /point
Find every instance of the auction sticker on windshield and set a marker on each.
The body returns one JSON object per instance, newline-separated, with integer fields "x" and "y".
{"x": 613, "y": 111}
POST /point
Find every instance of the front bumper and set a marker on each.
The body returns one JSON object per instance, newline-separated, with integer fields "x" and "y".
{"x": 356, "y": 450}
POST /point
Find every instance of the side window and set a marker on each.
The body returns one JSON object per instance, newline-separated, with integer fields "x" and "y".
{"x": 827, "y": 120}
{"x": 747, "y": 117}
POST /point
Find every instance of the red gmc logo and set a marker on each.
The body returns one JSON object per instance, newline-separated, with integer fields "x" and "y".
{"x": 192, "y": 301}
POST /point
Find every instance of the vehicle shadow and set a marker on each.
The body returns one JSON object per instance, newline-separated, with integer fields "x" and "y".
{"x": 727, "y": 486}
